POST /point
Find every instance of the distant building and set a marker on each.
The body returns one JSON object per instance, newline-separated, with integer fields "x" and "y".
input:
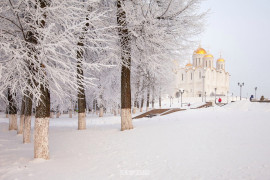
{"x": 202, "y": 77}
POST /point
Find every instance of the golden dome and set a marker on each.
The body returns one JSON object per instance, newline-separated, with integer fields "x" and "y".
{"x": 208, "y": 55}
{"x": 220, "y": 60}
{"x": 200, "y": 51}
{"x": 188, "y": 65}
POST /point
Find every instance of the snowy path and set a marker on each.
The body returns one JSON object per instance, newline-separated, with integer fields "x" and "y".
{"x": 230, "y": 142}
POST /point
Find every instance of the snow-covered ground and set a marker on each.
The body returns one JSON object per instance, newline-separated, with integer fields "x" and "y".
{"x": 229, "y": 142}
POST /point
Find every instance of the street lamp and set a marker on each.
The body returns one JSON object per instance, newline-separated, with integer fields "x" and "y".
{"x": 255, "y": 93}
{"x": 241, "y": 85}
{"x": 181, "y": 92}
{"x": 203, "y": 87}
{"x": 215, "y": 94}
{"x": 227, "y": 97}
{"x": 178, "y": 95}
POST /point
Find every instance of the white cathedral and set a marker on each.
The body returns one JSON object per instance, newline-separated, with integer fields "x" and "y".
{"x": 201, "y": 77}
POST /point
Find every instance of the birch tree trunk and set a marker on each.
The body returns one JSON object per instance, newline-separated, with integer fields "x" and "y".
{"x": 20, "y": 129}
{"x": 126, "y": 119}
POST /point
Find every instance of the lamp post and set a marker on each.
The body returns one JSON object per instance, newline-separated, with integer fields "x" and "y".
{"x": 181, "y": 93}
{"x": 241, "y": 85}
{"x": 203, "y": 87}
{"x": 205, "y": 96}
{"x": 255, "y": 93}
{"x": 215, "y": 95}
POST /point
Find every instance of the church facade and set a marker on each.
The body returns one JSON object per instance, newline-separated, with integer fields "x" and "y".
{"x": 203, "y": 78}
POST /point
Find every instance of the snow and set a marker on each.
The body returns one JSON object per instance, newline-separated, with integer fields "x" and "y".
{"x": 229, "y": 142}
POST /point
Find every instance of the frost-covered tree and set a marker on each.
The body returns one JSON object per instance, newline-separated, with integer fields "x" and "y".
{"x": 38, "y": 40}
{"x": 153, "y": 34}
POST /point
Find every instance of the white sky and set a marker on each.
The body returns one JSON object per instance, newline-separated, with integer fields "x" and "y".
{"x": 240, "y": 30}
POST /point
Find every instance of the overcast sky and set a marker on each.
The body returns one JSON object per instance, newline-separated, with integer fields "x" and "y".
{"x": 240, "y": 30}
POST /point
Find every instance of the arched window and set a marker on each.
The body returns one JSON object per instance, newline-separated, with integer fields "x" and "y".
{"x": 191, "y": 76}
{"x": 182, "y": 77}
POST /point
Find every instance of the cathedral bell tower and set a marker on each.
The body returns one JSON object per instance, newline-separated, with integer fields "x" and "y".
{"x": 220, "y": 64}
{"x": 208, "y": 61}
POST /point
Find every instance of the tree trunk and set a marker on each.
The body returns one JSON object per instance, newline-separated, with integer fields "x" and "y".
{"x": 7, "y": 111}
{"x": 27, "y": 119}
{"x": 134, "y": 107}
{"x": 12, "y": 112}
{"x": 101, "y": 111}
{"x": 126, "y": 119}
{"x": 153, "y": 98}
{"x": 142, "y": 100}
{"x": 20, "y": 129}
{"x": 58, "y": 114}
{"x": 94, "y": 106}
{"x": 41, "y": 142}
{"x": 81, "y": 92}
{"x": 13, "y": 122}
{"x": 101, "y": 106}
{"x": 160, "y": 101}
{"x": 70, "y": 113}
{"x": 136, "y": 101}
{"x": 147, "y": 99}
{"x": 134, "y": 110}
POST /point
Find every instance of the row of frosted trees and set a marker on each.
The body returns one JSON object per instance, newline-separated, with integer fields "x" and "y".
{"x": 107, "y": 53}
